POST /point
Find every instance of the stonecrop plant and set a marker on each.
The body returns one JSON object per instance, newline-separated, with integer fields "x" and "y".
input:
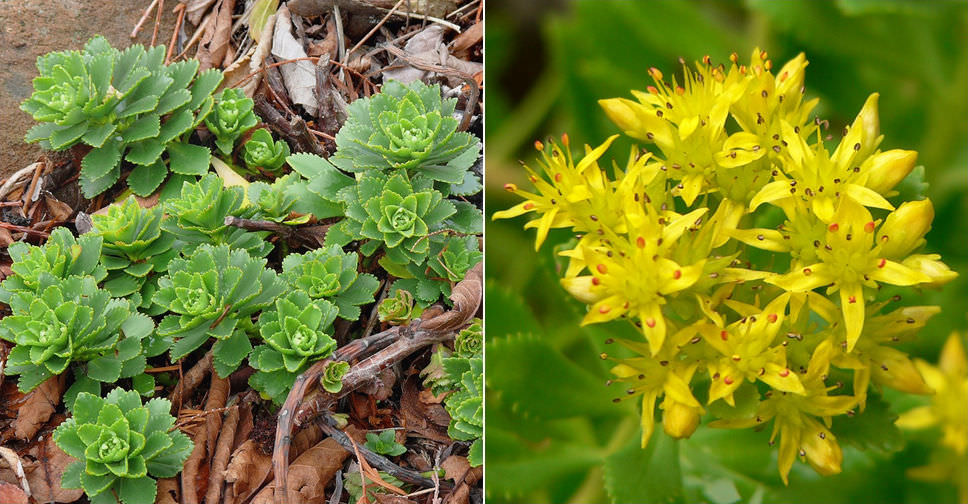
{"x": 121, "y": 446}
{"x": 125, "y": 105}
{"x": 760, "y": 266}
{"x": 407, "y": 127}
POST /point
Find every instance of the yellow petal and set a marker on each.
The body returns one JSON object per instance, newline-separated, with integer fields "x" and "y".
{"x": 593, "y": 155}
{"x": 782, "y": 378}
{"x": 653, "y": 326}
{"x": 688, "y": 126}
{"x": 823, "y": 208}
{"x": 678, "y": 223}
{"x": 516, "y": 210}
{"x": 678, "y": 420}
{"x": 769, "y": 193}
{"x": 723, "y": 387}
{"x": 607, "y": 309}
{"x": 648, "y": 417}
{"x": 583, "y": 289}
{"x": 691, "y": 187}
{"x": 805, "y": 279}
{"x": 543, "y": 225}
{"x": 920, "y": 417}
{"x": 896, "y": 274}
{"x": 789, "y": 445}
{"x": 676, "y": 278}
{"x": 867, "y": 197}
{"x": 852, "y": 304}
{"x": 929, "y": 264}
{"x": 766, "y": 239}
{"x": 893, "y": 368}
{"x": 953, "y": 361}
{"x": 821, "y": 449}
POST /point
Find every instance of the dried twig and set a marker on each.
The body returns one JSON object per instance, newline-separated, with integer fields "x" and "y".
{"x": 144, "y": 17}
{"x": 376, "y": 27}
{"x": 191, "y": 379}
{"x": 154, "y": 33}
{"x": 180, "y": 9}
{"x": 375, "y": 459}
{"x": 15, "y": 178}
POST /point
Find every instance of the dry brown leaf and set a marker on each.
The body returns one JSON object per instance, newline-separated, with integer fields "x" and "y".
{"x": 425, "y": 420}
{"x": 220, "y": 460}
{"x": 265, "y": 496}
{"x": 38, "y": 407}
{"x": 59, "y": 211}
{"x": 195, "y": 9}
{"x": 16, "y": 468}
{"x": 5, "y": 238}
{"x": 459, "y": 470}
{"x": 311, "y": 472}
{"x": 247, "y": 471}
{"x": 469, "y": 38}
{"x": 300, "y": 76}
{"x": 44, "y": 474}
{"x": 12, "y": 494}
{"x": 195, "y": 474}
{"x": 213, "y": 49}
{"x": 168, "y": 491}
{"x": 238, "y": 70}
{"x": 426, "y": 45}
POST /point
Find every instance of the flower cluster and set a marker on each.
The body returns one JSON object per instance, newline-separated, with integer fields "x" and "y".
{"x": 751, "y": 259}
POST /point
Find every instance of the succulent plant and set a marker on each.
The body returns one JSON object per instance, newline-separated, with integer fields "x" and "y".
{"x": 470, "y": 341}
{"x": 385, "y": 443}
{"x": 398, "y": 308}
{"x": 329, "y": 273}
{"x": 458, "y": 255}
{"x": 197, "y": 216}
{"x": 121, "y": 446}
{"x": 406, "y": 127}
{"x": 213, "y": 293}
{"x": 61, "y": 256}
{"x": 135, "y": 249}
{"x": 315, "y": 193}
{"x": 332, "y": 379}
{"x": 232, "y": 116}
{"x": 296, "y": 333}
{"x": 70, "y": 320}
{"x": 393, "y": 212}
{"x": 125, "y": 105}
{"x": 262, "y": 152}
{"x": 276, "y": 202}
{"x": 465, "y": 405}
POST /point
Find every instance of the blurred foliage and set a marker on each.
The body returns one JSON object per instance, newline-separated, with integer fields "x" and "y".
{"x": 553, "y": 434}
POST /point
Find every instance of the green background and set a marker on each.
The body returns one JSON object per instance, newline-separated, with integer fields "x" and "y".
{"x": 553, "y": 434}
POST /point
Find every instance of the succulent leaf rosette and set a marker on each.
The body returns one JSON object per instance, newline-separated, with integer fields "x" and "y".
{"x": 406, "y": 127}
{"x": 469, "y": 342}
{"x": 398, "y": 308}
{"x": 277, "y": 202}
{"x": 262, "y": 152}
{"x": 197, "y": 216}
{"x": 456, "y": 257}
{"x": 231, "y": 117}
{"x": 71, "y": 320}
{"x": 135, "y": 249}
{"x": 212, "y": 294}
{"x": 332, "y": 379}
{"x": 668, "y": 243}
{"x": 121, "y": 447}
{"x": 125, "y": 105}
{"x": 61, "y": 256}
{"x": 329, "y": 273}
{"x": 465, "y": 405}
{"x": 296, "y": 332}
{"x": 394, "y": 212}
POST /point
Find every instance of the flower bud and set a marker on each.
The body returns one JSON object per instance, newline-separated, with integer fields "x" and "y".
{"x": 679, "y": 420}
{"x": 905, "y": 228}
{"x": 821, "y": 449}
{"x": 930, "y": 265}
{"x": 886, "y": 169}
{"x": 620, "y": 112}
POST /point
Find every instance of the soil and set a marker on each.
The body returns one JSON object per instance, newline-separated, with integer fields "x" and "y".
{"x": 29, "y": 28}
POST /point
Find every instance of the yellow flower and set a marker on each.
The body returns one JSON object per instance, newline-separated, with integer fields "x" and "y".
{"x": 795, "y": 419}
{"x": 949, "y": 411}
{"x": 569, "y": 194}
{"x": 631, "y": 275}
{"x": 814, "y": 178}
{"x": 747, "y": 353}
{"x": 849, "y": 259}
{"x": 949, "y": 380}
{"x": 656, "y": 376}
